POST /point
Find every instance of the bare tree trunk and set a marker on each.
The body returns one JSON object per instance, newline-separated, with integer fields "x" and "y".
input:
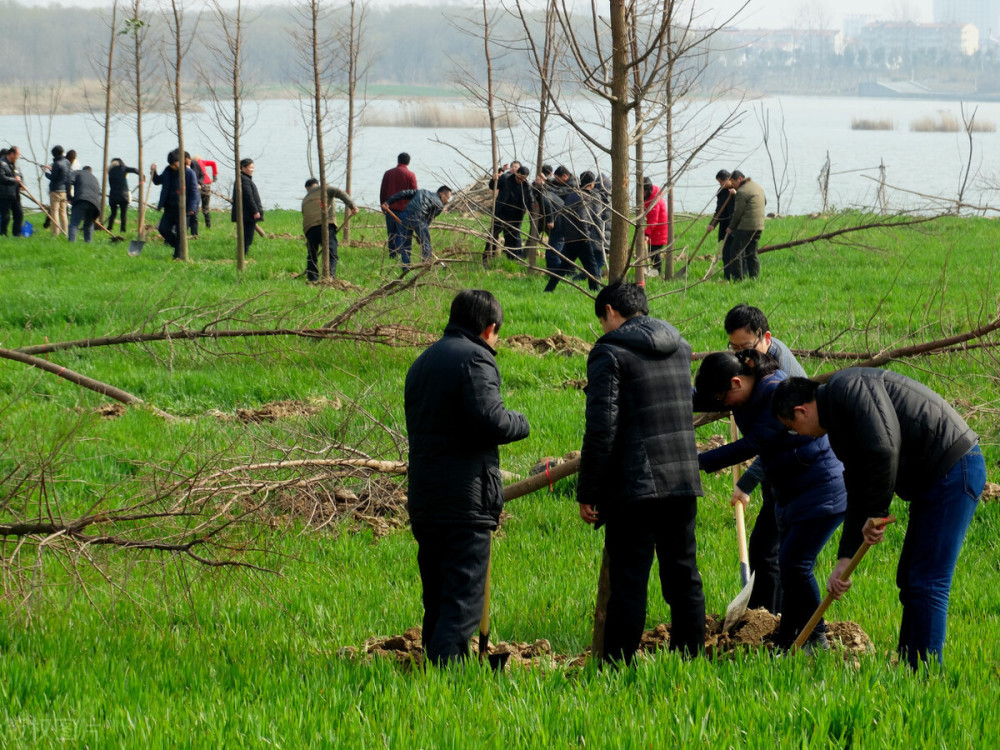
{"x": 177, "y": 14}
{"x": 668, "y": 252}
{"x": 321, "y": 155}
{"x": 236, "y": 44}
{"x": 135, "y": 27}
{"x": 619, "y": 143}
{"x": 641, "y": 248}
{"x": 353, "y": 51}
{"x": 491, "y": 245}
{"x": 107, "y": 103}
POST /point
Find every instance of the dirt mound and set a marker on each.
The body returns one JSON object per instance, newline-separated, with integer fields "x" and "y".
{"x": 715, "y": 441}
{"x": 991, "y": 492}
{"x": 340, "y": 284}
{"x": 756, "y": 630}
{"x": 558, "y": 342}
{"x": 110, "y": 411}
{"x": 575, "y": 385}
{"x": 280, "y": 410}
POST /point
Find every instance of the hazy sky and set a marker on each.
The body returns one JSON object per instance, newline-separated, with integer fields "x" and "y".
{"x": 758, "y": 13}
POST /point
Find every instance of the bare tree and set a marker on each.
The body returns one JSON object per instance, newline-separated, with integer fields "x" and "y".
{"x": 779, "y": 172}
{"x": 228, "y": 95}
{"x": 351, "y": 41}
{"x": 108, "y": 85}
{"x": 656, "y": 69}
{"x": 180, "y": 41}
{"x": 316, "y": 55}
{"x": 136, "y": 29}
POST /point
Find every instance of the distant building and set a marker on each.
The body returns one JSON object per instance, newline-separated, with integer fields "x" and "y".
{"x": 983, "y": 14}
{"x": 903, "y": 39}
{"x": 815, "y": 44}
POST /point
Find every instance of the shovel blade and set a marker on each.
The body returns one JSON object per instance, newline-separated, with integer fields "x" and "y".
{"x": 738, "y": 606}
{"x": 135, "y": 247}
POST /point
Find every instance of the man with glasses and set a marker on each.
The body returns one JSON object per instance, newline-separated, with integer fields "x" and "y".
{"x": 747, "y": 328}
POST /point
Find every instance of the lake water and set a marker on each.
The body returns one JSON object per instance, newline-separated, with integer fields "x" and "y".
{"x": 929, "y": 163}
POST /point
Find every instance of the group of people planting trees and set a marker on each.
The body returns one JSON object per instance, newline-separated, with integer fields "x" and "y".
{"x": 825, "y": 455}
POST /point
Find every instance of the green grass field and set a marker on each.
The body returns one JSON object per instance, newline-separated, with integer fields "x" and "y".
{"x": 109, "y": 647}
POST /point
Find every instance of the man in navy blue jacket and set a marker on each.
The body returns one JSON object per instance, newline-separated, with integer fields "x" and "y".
{"x": 455, "y": 420}
{"x": 420, "y": 211}
{"x": 171, "y": 224}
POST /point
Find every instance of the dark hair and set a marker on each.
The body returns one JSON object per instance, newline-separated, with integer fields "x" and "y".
{"x": 524, "y": 170}
{"x": 88, "y": 168}
{"x": 310, "y": 182}
{"x": 71, "y": 154}
{"x": 587, "y": 178}
{"x": 746, "y": 316}
{"x": 561, "y": 171}
{"x": 173, "y": 157}
{"x": 547, "y": 170}
{"x": 626, "y": 299}
{"x": 245, "y": 163}
{"x": 444, "y": 189}
{"x": 4, "y": 152}
{"x": 403, "y": 158}
{"x": 737, "y": 175}
{"x": 475, "y": 310}
{"x": 187, "y": 155}
{"x": 719, "y": 368}
{"x": 791, "y": 393}
{"x": 57, "y": 152}
{"x": 12, "y": 150}
{"x": 722, "y": 174}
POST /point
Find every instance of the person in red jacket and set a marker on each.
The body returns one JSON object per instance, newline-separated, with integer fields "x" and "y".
{"x": 204, "y": 180}
{"x": 657, "y": 222}
{"x": 394, "y": 181}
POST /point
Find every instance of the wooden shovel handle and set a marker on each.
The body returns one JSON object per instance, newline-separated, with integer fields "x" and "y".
{"x": 829, "y": 598}
{"x": 741, "y": 527}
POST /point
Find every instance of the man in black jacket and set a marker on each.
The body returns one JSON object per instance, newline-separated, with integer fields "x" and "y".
{"x": 639, "y": 470}
{"x": 171, "y": 226}
{"x": 513, "y": 200}
{"x": 119, "y": 194}
{"x": 455, "y": 419}
{"x": 895, "y": 435}
{"x": 10, "y": 192}
{"x": 253, "y": 209}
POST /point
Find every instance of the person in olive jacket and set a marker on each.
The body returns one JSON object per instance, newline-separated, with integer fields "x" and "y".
{"x": 896, "y": 436}
{"x": 639, "y": 470}
{"x": 314, "y": 209}
{"x": 455, "y": 420}
{"x": 745, "y": 227}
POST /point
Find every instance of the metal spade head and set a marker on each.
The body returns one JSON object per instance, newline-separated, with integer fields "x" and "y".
{"x": 135, "y": 247}
{"x": 738, "y": 606}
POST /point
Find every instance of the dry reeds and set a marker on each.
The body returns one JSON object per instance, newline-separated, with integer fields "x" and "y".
{"x": 945, "y": 122}
{"x": 863, "y": 123}
{"x": 431, "y": 114}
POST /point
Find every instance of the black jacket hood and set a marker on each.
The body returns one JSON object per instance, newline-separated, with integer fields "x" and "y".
{"x": 644, "y": 334}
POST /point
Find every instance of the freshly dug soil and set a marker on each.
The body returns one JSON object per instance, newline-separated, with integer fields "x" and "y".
{"x": 992, "y": 492}
{"x": 279, "y": 410}
{"x": 558, "y": 342}
{"x": 757, "y": 630}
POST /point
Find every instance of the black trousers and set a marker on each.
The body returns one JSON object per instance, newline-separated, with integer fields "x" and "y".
{"x": 249, "y": 230}
{"x": 510, "y": 226}
{"x": 117, "y": 204}
{"x": 632, "y": 536}
{"x": 314, "y": 240}
{"x": 10, "y": 208}
{"x": 763, "y": 548}
{"x": 745, "y": 253}
{"x": 168, "y": 229}
{"x": 453, "y": 561}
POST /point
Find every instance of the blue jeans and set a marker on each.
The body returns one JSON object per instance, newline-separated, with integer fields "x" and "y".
{"x": 85, "y": 212}
{"x": 410, "y": 226}
{"x": 800, "y": 546}
{"x": 939, "y": 520}
{"x": 395, "y": 232}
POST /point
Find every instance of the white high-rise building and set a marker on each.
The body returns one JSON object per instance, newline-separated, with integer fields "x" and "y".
{"x": 983, "y": 14}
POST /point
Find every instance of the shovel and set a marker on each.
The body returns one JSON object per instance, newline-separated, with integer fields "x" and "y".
{"x": 114, "y": 237}
{"x": 807, "y": 629}
{"x": 497, "y": 661}
{"x": 738, "y": 606}
{"x": 136, "y": 245}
